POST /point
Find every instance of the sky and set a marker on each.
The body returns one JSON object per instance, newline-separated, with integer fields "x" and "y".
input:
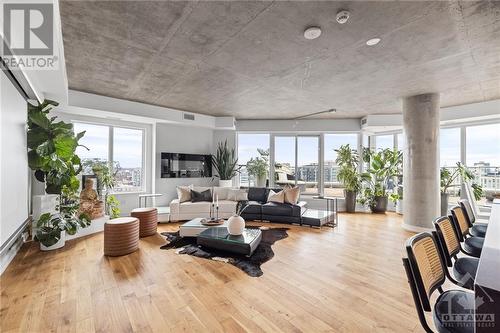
{"x": 127, "y": 148}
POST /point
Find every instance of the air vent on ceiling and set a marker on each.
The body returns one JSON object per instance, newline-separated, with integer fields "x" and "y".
{"x": 188, "y": 116}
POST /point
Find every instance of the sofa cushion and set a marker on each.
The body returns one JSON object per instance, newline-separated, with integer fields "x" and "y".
{"x": 258, "y": 194}
{"x": 227, "y": 206}
{"x": 184, "y": 193}
{"x": 221, "y": 192}
{"x": 274, "y": 208}
{"x": 202, "y": 207}
{"x": 278, "y": 197}
{"x": 237, "y": 195}
{"x": 253, "y": 207}
{"x": 292, "y": 195}
{"x": 201, "y": 196}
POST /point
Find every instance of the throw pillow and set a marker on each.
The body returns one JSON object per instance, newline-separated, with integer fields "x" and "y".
{"x": 292, "y": 195}
{"x": 237, "y": 195}
{"x": 201, "y": 196}
{"x": 276, "y": 197}
{"x": 184, "y": 193}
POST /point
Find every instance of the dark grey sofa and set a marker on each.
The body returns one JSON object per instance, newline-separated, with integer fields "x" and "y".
{"x": 259, "y": 209}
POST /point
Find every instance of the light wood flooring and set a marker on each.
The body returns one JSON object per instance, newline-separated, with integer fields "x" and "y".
{"x": 347, "y": 279}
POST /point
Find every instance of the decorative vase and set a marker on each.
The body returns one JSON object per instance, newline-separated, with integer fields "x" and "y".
{"x": 445, "y": 197}
{"x": 261, "y": 181}
{"x": 60, "y": 243}
{"x": 235, "y": 225}
{"x": 350, "y": 201}
{"x": 226, "y": 183}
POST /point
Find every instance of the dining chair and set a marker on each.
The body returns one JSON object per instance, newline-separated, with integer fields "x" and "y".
{"x": 464, "y": 268}
{"x": 471, "y": 245}
{"x": 453, "y": 310}
{"x": 476, "y": 228}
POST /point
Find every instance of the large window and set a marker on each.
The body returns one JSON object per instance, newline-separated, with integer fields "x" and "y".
{"x": 284, "y": 160}
{"x": 384, "y": 142}
{"x": 308, "y": 163}
{"x": 332, "y": 187}
{"x": 119, "y": 147}
{"x": 483, "y": 155}
{"x": 449, "y": 141}
{"x": 255, "y": 148}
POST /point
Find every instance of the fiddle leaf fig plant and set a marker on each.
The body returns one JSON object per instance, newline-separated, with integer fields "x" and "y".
{"x": 51, "y": 149}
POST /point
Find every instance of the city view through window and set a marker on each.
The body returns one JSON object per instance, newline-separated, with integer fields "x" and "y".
{"x": 300, "y": 165}
{"x": 126, "y": 148}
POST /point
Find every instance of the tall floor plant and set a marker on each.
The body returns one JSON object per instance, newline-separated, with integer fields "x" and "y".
{"x": 348, "y": 174}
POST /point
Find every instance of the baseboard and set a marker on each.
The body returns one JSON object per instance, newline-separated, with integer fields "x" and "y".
{"x": 413, "y": 228}
{"x": 7, "y": 256}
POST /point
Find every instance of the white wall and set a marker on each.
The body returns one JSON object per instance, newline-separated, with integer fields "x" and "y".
{"x": 180, "y": 139}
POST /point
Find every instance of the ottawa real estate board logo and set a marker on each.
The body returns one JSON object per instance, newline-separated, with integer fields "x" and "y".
{"x": 28, "y": 35}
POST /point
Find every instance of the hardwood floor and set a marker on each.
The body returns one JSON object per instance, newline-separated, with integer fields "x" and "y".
{"x": 349, "y": 279}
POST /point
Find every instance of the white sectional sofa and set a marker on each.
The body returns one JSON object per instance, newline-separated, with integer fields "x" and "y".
{"x": 189, "y": 210}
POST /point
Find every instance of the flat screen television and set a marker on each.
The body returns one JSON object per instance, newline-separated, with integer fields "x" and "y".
{"x": 176, "y": 165}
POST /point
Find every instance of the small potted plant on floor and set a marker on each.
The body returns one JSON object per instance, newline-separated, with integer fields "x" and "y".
{"x": 383, "y": 167}
{"x": 225, "y": 164}
{"x": 259, "y": 167}
{"x": 52, "y": 228}
{"x": 348, "y": 163}
{"x": 448, "y": 179}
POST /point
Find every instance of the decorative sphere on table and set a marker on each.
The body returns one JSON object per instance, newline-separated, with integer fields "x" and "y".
{"x": 235, "y": 225}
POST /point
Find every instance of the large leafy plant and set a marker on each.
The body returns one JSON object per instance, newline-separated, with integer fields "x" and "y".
{"x": 225, "y": 162}
{"x": 448, "y": 178}
{"x": 51, "y": 149}
{"x": 259, "y": 166}
{"x": 348, "y": 162}
{"x": 50, "y": 226}
{"x": 383, "y": 167}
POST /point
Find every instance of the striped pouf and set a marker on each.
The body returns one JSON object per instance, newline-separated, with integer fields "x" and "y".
{"x": 148, "y": 218}
{"x": 121, "y": 236}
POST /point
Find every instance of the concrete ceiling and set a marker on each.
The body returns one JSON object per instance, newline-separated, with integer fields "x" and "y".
{"x": 250, "y": 59}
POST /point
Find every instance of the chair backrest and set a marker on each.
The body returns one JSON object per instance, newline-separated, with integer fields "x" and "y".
{"x": 469, "y": 194}
{"x": 426, "y": 266}
{"x": 461, "y": 222}
{"x": 465, "y": 204}
{"x": 447, "y": 237}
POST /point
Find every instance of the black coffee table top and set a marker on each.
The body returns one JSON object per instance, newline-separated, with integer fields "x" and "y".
{"x": 248, "y": 236}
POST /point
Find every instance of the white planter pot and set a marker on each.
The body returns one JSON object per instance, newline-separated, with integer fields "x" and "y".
{"x": 226, "y": 183}
{"x": 235, "y": 225}
{"x": 58, "y": 245}
{"x": 261, "y": 181}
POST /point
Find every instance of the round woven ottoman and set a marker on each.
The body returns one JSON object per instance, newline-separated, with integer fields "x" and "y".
{"x": 148, "y": 218}
{"x": 121, "y": 236}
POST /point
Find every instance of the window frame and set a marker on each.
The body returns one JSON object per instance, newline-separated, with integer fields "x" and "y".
{"x": 111, "y": 127}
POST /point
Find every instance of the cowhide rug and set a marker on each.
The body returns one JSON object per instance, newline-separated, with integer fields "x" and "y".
{"x": 250, "y": 265}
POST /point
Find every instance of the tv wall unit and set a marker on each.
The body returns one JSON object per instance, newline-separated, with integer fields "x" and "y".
{"x": 178, "y": 165}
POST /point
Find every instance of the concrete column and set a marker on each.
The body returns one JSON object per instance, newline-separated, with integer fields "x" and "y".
{"x": 421, "y": 161}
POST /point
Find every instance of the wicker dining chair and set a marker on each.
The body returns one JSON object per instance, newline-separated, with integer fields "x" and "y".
{"x": 477, "y": 229}
{"x": 464, "y": 268}
{"x": 426, "y": 274}
{"x": 472, "y": 245}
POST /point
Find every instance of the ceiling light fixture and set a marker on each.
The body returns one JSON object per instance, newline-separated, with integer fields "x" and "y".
{"x": 312, "y": 32}
{"x": 373, "y": 41}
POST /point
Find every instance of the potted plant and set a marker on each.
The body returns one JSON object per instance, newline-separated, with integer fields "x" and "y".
{"x": 51, "y": 149}
{"x": 348, "y": 163}
{"x": 52, "y": 228}
{"x": 105, "y": 183}
{"x": 449, "y": 177}
{"x": 226, "y": 164}
{"x": 259, "y": 167}
{"x": 383, "y": 167}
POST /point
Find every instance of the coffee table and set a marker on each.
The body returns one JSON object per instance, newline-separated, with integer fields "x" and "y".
{"x": 194, "y": 227}
{"x": 219, "y": 238}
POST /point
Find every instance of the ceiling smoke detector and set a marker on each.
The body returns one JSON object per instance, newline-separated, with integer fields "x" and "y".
{"x": 312, "y": 32}
{"x": 343, "y": 16}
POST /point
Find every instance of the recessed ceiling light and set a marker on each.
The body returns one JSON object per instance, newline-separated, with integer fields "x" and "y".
{"x": 312, "y": 32}
{"x": 373, "y": 41}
